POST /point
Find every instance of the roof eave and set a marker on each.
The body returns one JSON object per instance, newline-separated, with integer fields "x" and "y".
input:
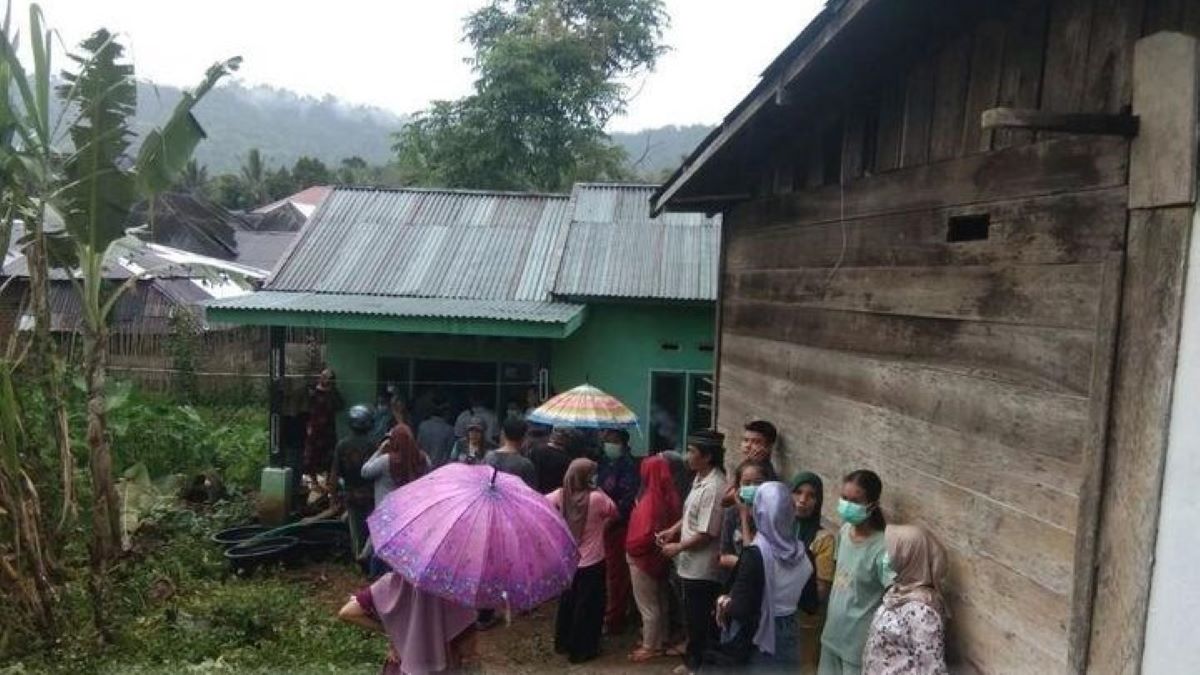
{"x": 398, "y": 324}
{"x": 830, "y": 22}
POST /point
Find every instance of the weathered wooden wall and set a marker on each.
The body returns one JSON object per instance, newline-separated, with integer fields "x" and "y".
{"x": 974, "y": 376}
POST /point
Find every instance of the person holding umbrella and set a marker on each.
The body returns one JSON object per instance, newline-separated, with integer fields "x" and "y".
{"x": 459, "y": 518}
{"x": 618, "y": 478}
{"x": 426, "y": 634}
{"x": 587, "y": 512}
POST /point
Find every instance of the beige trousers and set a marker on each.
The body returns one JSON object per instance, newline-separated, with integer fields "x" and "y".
{"x": 653, "y": 602}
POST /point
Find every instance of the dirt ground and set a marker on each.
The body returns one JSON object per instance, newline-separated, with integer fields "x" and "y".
{"x": 525, "y": 646}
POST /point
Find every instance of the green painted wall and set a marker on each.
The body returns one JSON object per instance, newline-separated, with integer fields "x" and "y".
{"x": 615, "y": 349}
{"x": 619, "y": 344}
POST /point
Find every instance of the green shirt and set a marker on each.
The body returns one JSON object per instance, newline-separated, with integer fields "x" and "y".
{"x": 861, "y": 576}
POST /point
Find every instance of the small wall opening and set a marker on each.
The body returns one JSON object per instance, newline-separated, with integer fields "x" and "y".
{"x": 970, "y": 227}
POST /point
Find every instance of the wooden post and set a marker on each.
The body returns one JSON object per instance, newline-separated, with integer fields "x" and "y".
{"x": 276, "y": 371}
{"x": 1162, "y": 192}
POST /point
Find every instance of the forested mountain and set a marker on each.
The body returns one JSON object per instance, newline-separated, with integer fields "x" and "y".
{"x": 285, "y": 126}
{"x": 653, "y": 153}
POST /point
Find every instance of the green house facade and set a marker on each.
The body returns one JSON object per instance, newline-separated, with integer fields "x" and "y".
{"x": 502, "y": 296}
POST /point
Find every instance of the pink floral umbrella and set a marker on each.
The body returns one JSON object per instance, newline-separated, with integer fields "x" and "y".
{"x": 476, "y": 537}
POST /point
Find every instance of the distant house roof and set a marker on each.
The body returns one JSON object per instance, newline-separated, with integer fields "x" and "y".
{"x": 263, "y": 250}
{"x": 429, "y": 244}
{"x": 614, "y": 249}
{"x": 191, "y": 223}
{"x": 305, "y": 201}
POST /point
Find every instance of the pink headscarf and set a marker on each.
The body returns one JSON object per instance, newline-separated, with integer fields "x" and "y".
{"x": 418, "y": 624}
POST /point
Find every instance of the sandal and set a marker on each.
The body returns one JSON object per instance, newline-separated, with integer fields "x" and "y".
{"x": 641, "y": 654}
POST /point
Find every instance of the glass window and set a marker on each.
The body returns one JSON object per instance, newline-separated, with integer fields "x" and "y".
{"x": 700, "y": 401}
{"x": 667, "y": 410}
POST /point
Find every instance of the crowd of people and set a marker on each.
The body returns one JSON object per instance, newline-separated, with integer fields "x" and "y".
{"x": 724, "y": 574}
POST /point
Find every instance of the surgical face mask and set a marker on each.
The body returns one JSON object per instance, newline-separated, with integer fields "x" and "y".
{"x": 746, "y": 494}
{"x": 851, "y": 512}
{"x": 613, "y": 450}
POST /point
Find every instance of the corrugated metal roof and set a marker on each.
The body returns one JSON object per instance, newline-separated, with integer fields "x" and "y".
{"x": 439, "y": 308}
{"x": 263, "y": 249}
{"x": 429, "y": 243}
{"x": 616, "y": 250}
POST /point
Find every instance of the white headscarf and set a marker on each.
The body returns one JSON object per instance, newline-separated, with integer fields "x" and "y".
{"x": 786, "y": 568}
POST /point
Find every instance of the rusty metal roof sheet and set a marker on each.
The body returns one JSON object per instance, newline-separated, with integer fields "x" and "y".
{"x": 614, "y": 249}
{"x": 429, "y": 243}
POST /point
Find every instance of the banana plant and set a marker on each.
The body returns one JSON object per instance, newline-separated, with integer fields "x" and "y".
{"x": 91, "y": 186}
{"x": 95, "y": 198}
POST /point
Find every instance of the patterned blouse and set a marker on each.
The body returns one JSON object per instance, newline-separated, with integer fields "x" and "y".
{"x": 905, "y": 639}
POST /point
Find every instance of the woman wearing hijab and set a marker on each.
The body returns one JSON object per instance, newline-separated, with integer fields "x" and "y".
{"x": 658, "y": 506}
{"x": 397, "y": 462}
{"x": 426, "y": 633}
{"x": 588, "y": 511}
{"x": 808, "y": 495}
{"x": 758, "y": 614}
{"x": 908, "y": 633}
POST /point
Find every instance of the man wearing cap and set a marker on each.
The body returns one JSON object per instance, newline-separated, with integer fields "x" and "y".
{"x": 693, "y": 543}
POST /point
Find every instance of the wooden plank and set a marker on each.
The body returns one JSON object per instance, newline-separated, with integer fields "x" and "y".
{"x": 1054, "y": 359}
{"x": 1087, "y": 520}
{"x": 967, "y": 520}
{"x": 1024, "y": 616}
{"x": 1166, "y": 96}
{"x": 1033, "y": 295}
{"x": 1022, "y": 232}
{"x": 1066, "y": 55}
{"x": 1066, "y": 165}
{"x": 1116, "y": 25}
{"x": 852, "y": 143}
{"x": 990, "y": 645}
{"x": 1151, "y": 309}
{"x": 984, "y": 85}
{"x": 1021, "y": 75}
{"x": 950, "y": 98}
{"x": 918, "y": 112}
{"x": 1050, "y": 429}
{"x": 891, "y": 126}
{"x": 1102, "y": 124}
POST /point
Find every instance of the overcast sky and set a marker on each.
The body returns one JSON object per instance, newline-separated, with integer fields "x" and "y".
{"x": 401, "y": 54}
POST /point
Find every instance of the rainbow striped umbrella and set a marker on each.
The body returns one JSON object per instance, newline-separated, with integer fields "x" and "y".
{"x": 584, "y": 407}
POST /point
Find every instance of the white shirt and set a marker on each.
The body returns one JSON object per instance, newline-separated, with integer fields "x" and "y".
{"x": 702, "y": 514}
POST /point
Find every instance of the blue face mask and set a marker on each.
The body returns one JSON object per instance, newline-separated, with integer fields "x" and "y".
{"x": 851, "y": 512}
{"x": 613, "y": 450}
{"x": 746, "y": 494}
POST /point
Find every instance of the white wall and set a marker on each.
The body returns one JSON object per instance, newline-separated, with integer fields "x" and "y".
{"x": 1172, "y": 644}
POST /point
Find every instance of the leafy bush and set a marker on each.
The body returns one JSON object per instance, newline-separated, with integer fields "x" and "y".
{"x": 170, "y": 438}
{"x": 176, "y": 607}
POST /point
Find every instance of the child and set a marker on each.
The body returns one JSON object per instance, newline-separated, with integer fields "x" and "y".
{"x": 808, "y": 495}
{"x": 737, "y": 526}
{"x": 861, "y": 576}
{"x": 908, "y": 634}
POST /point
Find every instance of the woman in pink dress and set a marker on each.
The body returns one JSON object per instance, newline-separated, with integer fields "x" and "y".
{"x": 587, "y": 510}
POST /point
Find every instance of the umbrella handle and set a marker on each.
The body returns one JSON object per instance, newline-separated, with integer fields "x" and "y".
{"x": 495, "y": 471}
